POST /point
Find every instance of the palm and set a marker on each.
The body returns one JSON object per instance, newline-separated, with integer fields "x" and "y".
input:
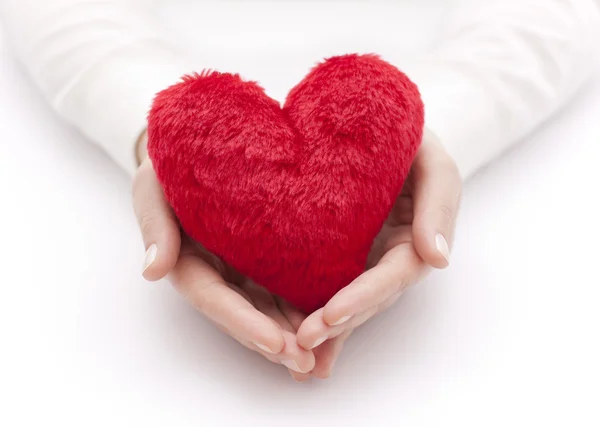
{"x": 287, "y": 317}
{"x": 413, "y": 237}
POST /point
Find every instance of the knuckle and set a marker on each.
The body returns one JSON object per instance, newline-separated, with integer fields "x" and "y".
{"x": 388, "y": 280}
{"x": 389, "y": 261}
{"x": 447, "y": 212}
{"x": 399, "y": 285}
{"x": 146, "y": 223}
{"x": 372, "y": 280}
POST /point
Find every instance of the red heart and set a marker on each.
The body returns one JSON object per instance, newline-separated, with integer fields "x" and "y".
{"x": 291, "y": 197}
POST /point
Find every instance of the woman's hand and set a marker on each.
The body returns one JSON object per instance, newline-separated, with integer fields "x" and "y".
{"x": 246, "y": 312}
{"x": 415, "y": 237}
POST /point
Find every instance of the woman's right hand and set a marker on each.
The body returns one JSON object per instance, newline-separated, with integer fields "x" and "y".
{"x": 243, "y": 310}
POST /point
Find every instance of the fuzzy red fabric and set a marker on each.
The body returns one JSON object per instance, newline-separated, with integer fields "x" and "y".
{"x": 291, "y": 197}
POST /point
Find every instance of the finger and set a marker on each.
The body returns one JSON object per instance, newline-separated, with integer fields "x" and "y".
{"x": 327, "y": 354}
{"x": 200, "y": 284}
{"x": 159, "y": 227}
{"x": 294, "y": 315}
{"x": 250, "y": 345}
{"x": 399, "y": 235}
{"x": 264, "y": 302}
{"x": 289, "y": 357}
{"x": 298, "y": 361}
{"x": 436, "y": 195}
{"x": 389, "y": 237}
{"x": 315, "y": 331}
{"x": 295, "y": 318}
{"x": 295, "y": 358}
{"x": 300, "y": 378}
{"x": 398, "y": 268}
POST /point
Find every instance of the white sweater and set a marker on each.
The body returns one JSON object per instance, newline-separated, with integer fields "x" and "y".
{"x": 500, "y": 68}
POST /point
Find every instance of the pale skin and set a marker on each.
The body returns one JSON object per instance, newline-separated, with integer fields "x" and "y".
{"x": 416, "y": 236}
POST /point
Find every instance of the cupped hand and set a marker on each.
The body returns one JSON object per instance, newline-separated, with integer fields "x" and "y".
{"x": 415, "y": 237}
{"x": 246, "y": 312}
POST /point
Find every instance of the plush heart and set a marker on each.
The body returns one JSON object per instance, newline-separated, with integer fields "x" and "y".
{"x": 291, "y": 197}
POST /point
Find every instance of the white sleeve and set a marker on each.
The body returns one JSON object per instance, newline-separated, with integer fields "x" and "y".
{"x": 503, "y": 67}
{"x": 99, "y": 63}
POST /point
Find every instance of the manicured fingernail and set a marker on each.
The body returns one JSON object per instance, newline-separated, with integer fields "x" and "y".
{"x": 442, "y": 246}
{"x": 301, "y": 381}
{"x": 341, "y": 320}
{"x": 264, "y": 348}
{"x": 150, "y": 256}
{"x": 318, "y": 342}
{"x": 291, "y": 364}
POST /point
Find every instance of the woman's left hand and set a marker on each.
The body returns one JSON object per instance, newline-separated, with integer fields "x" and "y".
{"x": 417, "y": 235}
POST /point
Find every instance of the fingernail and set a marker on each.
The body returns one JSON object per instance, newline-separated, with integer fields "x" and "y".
{"x": 264, "y": 348}
{"x": 302, "y": 381}
{"x": 442, "y": 246}
{"x": 150, "y": 256}
{"x": 341, "y": 320}
{"x": 291, "y": 364}
{"x": 318, "y": 342}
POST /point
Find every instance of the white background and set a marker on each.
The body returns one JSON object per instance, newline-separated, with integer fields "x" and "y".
{"x": 509, "y": 335}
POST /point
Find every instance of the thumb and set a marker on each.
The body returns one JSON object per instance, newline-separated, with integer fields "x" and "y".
{"x": 436, "y": 196}
{"x": 159, "y": 227}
